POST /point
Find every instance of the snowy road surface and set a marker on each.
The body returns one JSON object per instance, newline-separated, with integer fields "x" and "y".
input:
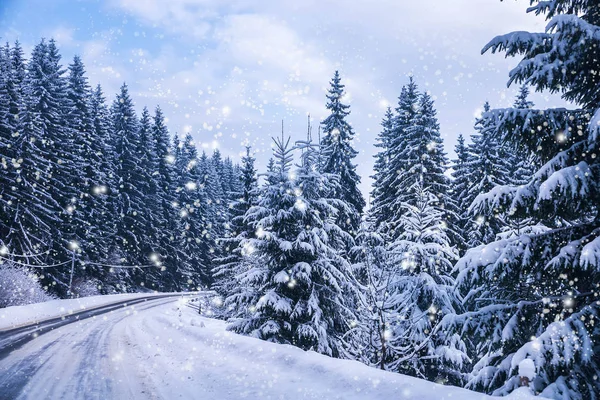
{"x": 162, "y": 349}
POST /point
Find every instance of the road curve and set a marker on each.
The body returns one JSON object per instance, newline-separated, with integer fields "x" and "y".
{"x": 60, "y": 357}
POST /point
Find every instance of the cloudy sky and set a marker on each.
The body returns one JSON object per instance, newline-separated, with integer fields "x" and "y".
{"x": 229, "y": 71}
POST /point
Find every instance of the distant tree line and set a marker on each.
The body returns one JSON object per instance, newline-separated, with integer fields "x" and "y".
{"x": 98, "y": 187}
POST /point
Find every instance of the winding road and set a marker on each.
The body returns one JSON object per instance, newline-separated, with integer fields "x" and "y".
{"x": 160, "y": 348}
{"x": 74, "y": 356}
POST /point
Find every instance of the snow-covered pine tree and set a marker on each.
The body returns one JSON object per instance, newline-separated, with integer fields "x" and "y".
{"x": 196, "y": 245}
{"x": 337, "y": 155}
{"x": 169, "y": 222}
{"x": 90, "y": 183}
{"x": 381, "y": 194}
{"x": 147, "y": 185}
{"x": 461, "y": 183}
{"x": 487, "y": 167}
{"x": 420, "y": 160}
{"x": 522, "y": 100}
{"x": 296, "y": 288}
{"x": 521, "y": 168}
{"x": 39, "y": 216}
{"x": 386, "y": 208}
{"x": 230, "y": 263}
{"x": 105, "y": 190}
{"x": 536, "y": 296}
{"x": 131, "y": 230}
{"x": 521, "y": 159}
{"x": 11, "y": 155}
{"x": 422, "y": 294}
{"x": 231, "y": 183}
{"x": 271, "y": 171}
{"x": 66, "y": 156}
{"x": 8, "y": 175}
{"x": 212, "y": 173}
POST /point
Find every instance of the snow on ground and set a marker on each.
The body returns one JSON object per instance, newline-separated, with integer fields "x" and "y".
{"x": 11, "y": 317}
{"x": 209, "y": 362}
{"x": 168, "y": 351}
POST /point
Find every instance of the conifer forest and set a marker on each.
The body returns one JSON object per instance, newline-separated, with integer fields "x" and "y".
{"x": 471, "y": 259}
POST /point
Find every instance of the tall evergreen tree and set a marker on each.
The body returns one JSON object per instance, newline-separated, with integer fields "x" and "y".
{"x": 88, "y": 151}
{"x": 422, "y": 294}
{"x": 133, "y": 215}
{"x": 59, "y": 115}
{"x": 8, "y": 176}
{"x": 520, "y": 158}
{"x": 231, "y": 261}
{"x": 461, "y": 184}
{"x": 337, "y": 155}
{"x": 418, "y": 158}
{"x": 488, "y": 167}
{"x": 195, "y": 243}
{"x": 536, "y": 296}
{"x": 296, "y": 285}
{"x": 381, "y": 194}
{"x": 103, "y": 185}
{"x": 168, "y": 219}
{"x": 42, "y": 207}
{"x": 385, "y": 206}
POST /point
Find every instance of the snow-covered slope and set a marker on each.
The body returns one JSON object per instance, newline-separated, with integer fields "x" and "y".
{"x": 170, "y": 352}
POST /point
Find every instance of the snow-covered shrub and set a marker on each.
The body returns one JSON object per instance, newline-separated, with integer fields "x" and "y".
{"x": 86, "y": 287}
{"x": 19, "y": 287}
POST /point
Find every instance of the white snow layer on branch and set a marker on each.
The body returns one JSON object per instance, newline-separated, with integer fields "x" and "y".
{"x": 590, "y": 254}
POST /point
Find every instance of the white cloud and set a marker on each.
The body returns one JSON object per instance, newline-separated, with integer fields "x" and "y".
{"x": 63, "y": 36}
{"x": 272, "y": 59}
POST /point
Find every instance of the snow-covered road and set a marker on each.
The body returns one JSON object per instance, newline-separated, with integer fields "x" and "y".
{"x": 162, "y": 349}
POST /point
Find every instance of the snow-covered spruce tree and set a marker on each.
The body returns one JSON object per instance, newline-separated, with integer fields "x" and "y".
{"x": 414, "y": 153}
{"x": 8, "y": 175}
{"x": 296, "y": 288}
{"x": 423, "y": 163}
{"x": 38, "y": 215}
{"x": 337, "y": 155}
{"x": 385, "y": 208}
{"x": 211, "y": 169}
{"x": 147, "y": 185}
{"x": 522, "y": 100}
{"x": 105, "y": 189}
{"x": 169, "y": 222}
{"x": 89, "y": 148}
{"x": 461, "y": 183}
{"x": 231, "y": 262}
{"x": 194, "y": 241}
{"x": 133, "y": 227}
{"x": 382, "y": 194}
{"x": 422, "y": 294}
{"x": 536, "y": 295}
{"x": 66, "y": 155}
{"x": 521, "y": 167}
{"x": 520, "y": 158}
{"x": 488, "y": 166}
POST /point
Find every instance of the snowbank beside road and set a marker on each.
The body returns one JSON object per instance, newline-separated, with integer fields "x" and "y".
{"x": 198, "y": 358}
{"x": 11, "y": 317}
{"x": 165, "y": 350}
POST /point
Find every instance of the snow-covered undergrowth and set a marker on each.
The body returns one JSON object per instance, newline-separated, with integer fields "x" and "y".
{"x": 19, "y": 286}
